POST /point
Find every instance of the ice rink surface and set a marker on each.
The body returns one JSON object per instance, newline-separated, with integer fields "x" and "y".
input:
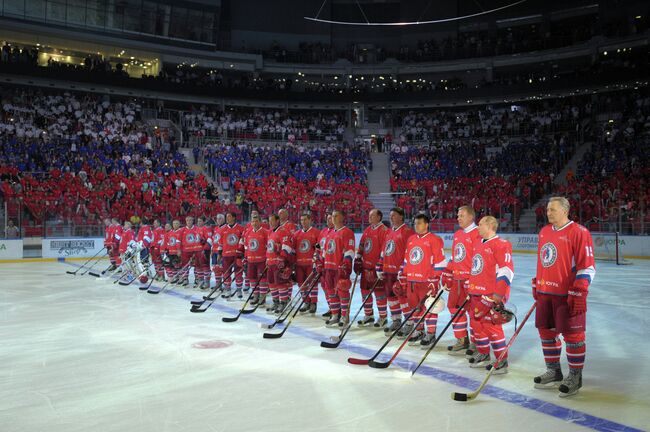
{"x": 84, "y": 354}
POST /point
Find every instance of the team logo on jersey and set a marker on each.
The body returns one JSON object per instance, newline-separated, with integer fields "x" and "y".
{"x": 305, "y": 245}
{"x": 331, "y": 247}
{"x": 459, "y": 252}
{"x": 548, "y": 254}
{"x": 191, "y": 238}
{"x": 253, "y": 245}
{"x": 270, "y": 246}
{"x": 416, "y": 256}
{"x": 477, "y": 264}
{"x": 172, "y": 241}
{"x": 232, "y": 239}
{"x": 217, "y": 237}
{"x": 367, "y": 247}
{"x": 390, "y": 248}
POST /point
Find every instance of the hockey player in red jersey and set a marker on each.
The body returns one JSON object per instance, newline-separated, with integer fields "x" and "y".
{"x": 419, "y": 277}
{"x": 455, "y": 275}
{"x": 365, "y": 262}
{"x": 231, "y": 254}
{"x": 254, "y": 242}
{"x": 125, "y": 236}
{"x": 116, "y": 237}
{"x": 565, "y": 269}
{"x": 277, "y": 260}
{"x": 489, "y": 288}
{"x": 145, "y": 241}
{"x": 215, "y": 241}
{"x": 156, "y": 248}
{"x": 173, "y": 249}
{"x": 390, "y": 261}
{"x": 247, "y": 228}
{"x": 202, "y": 274}
{"x": 306, "y": 240}
{"x": 337, "y": 265}
{"x": 191, "y": 248}
{"x": 318, "y": 259}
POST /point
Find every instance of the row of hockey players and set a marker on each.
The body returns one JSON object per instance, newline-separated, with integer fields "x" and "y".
{"x": 402, "y": 269}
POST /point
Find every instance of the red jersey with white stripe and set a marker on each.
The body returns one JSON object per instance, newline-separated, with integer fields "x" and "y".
{"x": 424, "y": 258}
{"x": 108, "y": 236}
{"x": 289, "y": 226}
{"x": 125, "y": 237}
{"x": 206, "y": 233}
{"x": 305, "y": 243}
{"x": 191, "y": 239}
{"x": 565, "y": 258}
{"x": 215, "y": 239}
{"x": 338, "y": 247}
{"x": 465, "y": 240}
{"x": 158, "y": 238}
{"x": 323, "y": 238}
{"x": 370, "y": 245}
{"x": 492, "y": 268}
{"x": 117, "y": 234}
{"x": 173, "y": 240}
{"x": 145, "y": 235}
{"x": 230, "y": 237}
{"x": 254, "y": 244}
{"x": 276, "y": 250}
{"x": 392, "y": 254}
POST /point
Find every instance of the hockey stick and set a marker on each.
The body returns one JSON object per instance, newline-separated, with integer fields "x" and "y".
{"x": 182, "y": 271}
{"x": 250, "y": 296}
{"x": 335, "y": 341}
{"x": 358, "y": 361}
{"x": 84, "y": 264}
{"x": 102, "y": 273}
{"x": 464, "y": 397}
{"x": 200, "y": 306}
{"x": 290, "y": 304}
{"x": 460, "y": 310}
{"x": 382, "y": 365}
{"x": 314, "y": 284}
{"x": 137, "y": 277}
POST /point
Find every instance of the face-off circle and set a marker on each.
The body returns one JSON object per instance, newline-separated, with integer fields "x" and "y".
{"x": 213, "y": 344}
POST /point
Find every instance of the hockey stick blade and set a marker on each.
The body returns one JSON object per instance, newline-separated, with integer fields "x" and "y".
{"x": 143, "y": 288}
{"x": 194, "y": 309}
{"x": 72, "y": 272}
{"x": 358, "y": 361}
{"x": 462, "y": 397}
{"x": 153, "y": 291}
{"x": 273, "y": 335}
{"x": 378, "y": 365}
{"x": 94, "y": 274}
{"x": 230, "y": 319}
{"x": 335, "y": 342}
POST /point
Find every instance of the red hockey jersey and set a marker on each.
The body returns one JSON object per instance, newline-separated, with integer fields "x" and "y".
{"x": 338, "y": 247}
{"x": 424, "y": 258}
{"x": 492, "y": 268}
{"x": 370, "y": 245}
{"x": 463, "y": 250}
{"x": 392, "y": 254}
{"x": 145, "y": 235}
{"x": 305, "y": 243}
{"x": 230, "y": 237}
{"x": 565, "y": 258}
{"x": 191, "y": 239}
{"x": 254, "y": 244}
